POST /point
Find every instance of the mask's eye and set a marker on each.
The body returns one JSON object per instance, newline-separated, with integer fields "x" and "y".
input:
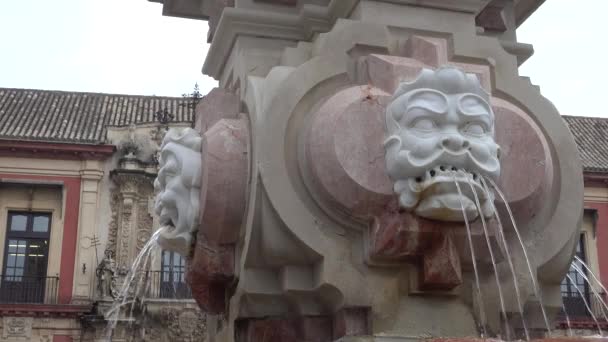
{"x": 423, "y": 125}
{"x": 475, "y": 129}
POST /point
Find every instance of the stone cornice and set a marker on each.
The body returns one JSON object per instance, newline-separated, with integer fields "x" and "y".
{"x": 45, "y": 310}
{"x": 189, "y": 9}
{"x": 41, "y": 149}
{"x": 469, "y": 6}
{"x": 302, "y": 26}
{"x": 310, "y": 20}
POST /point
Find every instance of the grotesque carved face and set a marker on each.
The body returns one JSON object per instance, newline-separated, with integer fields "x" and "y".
{"x": 441, "y": 128}
{"x": 178, "y": 187}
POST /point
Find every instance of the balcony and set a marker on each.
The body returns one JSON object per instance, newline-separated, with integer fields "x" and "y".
{"x": 167, "y": 285}
{"x": 28, "y": 290}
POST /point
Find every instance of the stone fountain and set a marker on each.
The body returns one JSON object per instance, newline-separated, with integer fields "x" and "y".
{"x": 340, "y": 184}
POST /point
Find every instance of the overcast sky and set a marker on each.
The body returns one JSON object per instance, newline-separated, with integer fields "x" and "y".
{"x": 127, "y": 46}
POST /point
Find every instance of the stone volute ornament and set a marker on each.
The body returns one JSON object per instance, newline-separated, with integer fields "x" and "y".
{"x": 440, "y": 123}
{"x": 178, "y": 187}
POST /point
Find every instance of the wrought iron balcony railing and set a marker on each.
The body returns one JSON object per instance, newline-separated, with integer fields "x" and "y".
{"x": 167, "y": 285}
{"x": 33, "y": 290}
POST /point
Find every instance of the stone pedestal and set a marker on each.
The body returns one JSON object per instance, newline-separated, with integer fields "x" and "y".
{"x": 302, "y": 235}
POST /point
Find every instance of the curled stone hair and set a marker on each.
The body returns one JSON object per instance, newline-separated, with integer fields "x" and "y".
{"x": 187, "y": 137}
{"x": 446, "y": 79}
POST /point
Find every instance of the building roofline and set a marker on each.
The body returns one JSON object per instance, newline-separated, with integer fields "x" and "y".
{"x": 93, "y": 93}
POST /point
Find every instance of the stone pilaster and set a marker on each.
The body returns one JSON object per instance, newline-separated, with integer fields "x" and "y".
{"x": 84, "y": 271}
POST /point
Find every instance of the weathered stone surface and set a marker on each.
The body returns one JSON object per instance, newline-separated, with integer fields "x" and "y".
{"x": 226, "y": 173}
{"x": 304, "y": 329}
{"x": 441, "y": 266}
{"x": 351, "y": 322}
{"x": 216, "y": 105}
{"x": 401, "y": 236}
{"x": 491, "y": 19}
{"x": 209, "y": 273}
{"x": 346, "y": 322}
{"x": 211, "y": 264}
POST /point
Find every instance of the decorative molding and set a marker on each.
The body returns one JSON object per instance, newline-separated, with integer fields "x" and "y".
{"x": 187, "y": 325}
{"x": 130, "y": 219}
{"x": 44, "y": 310}
{"x": 125, "y": 235}
{"x": 35, "y": 149}
{"x": 144, "y": 224}
{"x": 113, "y": 226}
{"x": 17, "y": 327}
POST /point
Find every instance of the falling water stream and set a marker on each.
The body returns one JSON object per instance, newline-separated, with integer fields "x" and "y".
{"x": 482, "y": 315}
{"x": 492, "y": 258}
{"x": 503, "y": 239}
{"x": 598, "y": 282}
{"x": 599, "y": 328}
{"x": 604, "y": 307}
{"x": 524, "y": 250}
{"x": 138, "y": 268}
{"x": 567, "y": 320}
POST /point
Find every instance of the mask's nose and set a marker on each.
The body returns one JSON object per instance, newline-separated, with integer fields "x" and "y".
{"x": 454, "y": 143}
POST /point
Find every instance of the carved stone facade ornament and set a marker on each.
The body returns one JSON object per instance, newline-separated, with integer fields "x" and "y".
{"x": 183, "y": 325}
{"x": 19, "y": 328}
{"x": 178, "y": 188}
{"x": 113, "y": 226}
{"x": 144, "y": 224}
{"x": 131, "y": 220}
{"x": 440, "y": 130}
{"x": 107, "y": 275}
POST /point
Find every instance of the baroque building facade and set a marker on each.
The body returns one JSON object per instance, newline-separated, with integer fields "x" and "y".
{"x": 76, "y": 206}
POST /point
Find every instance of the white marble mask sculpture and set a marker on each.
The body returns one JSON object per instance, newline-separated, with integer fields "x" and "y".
{"x": 178, "y": 187}
{"x": 441, "y": 127}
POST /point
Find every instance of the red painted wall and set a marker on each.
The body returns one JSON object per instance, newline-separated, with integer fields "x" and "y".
{"x": 62, "y": 338}
{"x": 70, "y": 231}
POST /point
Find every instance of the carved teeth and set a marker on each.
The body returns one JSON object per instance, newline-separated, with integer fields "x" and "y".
{"x": 444, "y": 171}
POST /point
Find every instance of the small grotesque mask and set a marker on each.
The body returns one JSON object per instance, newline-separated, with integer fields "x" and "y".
{"x": 441, "y": 131}
{"x": 178, "y": 187}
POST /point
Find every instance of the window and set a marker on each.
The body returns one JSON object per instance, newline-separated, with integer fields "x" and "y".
{"x": 573, "y": 301}
{"x": 23, "y": 278}
{"x": 173, "y": 276}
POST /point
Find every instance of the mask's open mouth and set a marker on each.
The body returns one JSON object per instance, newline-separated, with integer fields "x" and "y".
{"x": 166, "y": 221}
{"x": 441, "y": 199}
{"x": 171, "y": 238}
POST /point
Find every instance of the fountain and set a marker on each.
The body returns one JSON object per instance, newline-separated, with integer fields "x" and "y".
{"x": 371, "y": 171}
